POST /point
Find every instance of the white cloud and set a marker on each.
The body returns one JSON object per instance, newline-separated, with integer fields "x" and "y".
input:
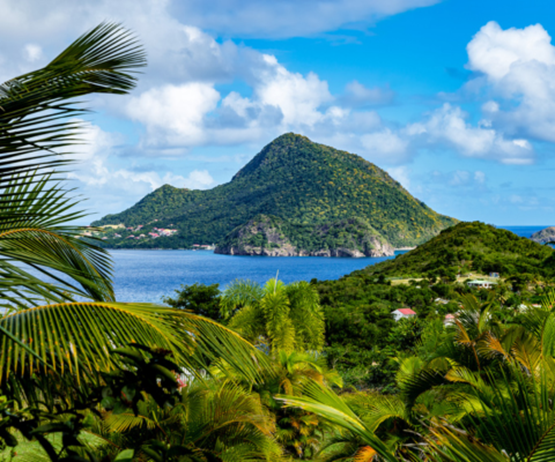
{"x": 386, "y": 146}
{"x": 448, "y": 125}
{"x": 519, "y": 67}
{"x": 297, "y": 97}
{"x": 32, "y": 52}
{"x": 174, "y": 115}
{"x": 199, "y": 179}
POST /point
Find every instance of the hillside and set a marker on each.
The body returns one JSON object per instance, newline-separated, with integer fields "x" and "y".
{"x": 272, "y": 236}
{"x": 294, "y": 179}
{"x": 471, "y": 247}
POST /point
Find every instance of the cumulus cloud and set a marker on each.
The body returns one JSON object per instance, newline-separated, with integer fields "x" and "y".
{"x": 448, "y": 125}
{"x": 174, "y": 114}
{"x": 518, "y": 66}
{"x": 386, "y": 146}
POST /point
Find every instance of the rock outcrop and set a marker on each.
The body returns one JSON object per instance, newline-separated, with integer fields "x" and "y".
{"x": 273, "y": 237}
{"x": 546, "y": 235}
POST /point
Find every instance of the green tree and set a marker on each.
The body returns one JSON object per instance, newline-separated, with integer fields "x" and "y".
{"x": 39, "y": 122}
{"x": 282, "y": 317}
{"x": 201, "y": 299}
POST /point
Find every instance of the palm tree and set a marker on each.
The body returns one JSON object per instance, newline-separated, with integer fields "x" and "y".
{"x": 490, "y": 398}
{"x": 214, "y": 420}
{"x": 46, "y": 325}
{"x": 278, "y": 316}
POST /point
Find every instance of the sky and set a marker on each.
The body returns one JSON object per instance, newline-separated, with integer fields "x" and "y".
{"x": 453, "y": 98}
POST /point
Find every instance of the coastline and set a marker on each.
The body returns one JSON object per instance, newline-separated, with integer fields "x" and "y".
{"x": 405, "y": 248}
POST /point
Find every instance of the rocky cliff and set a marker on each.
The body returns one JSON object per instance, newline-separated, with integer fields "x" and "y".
{"x": 544, "y": 236}
{"x": 273, "y": 237}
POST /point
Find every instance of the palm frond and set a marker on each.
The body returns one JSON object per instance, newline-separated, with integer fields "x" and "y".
{"x": 76, "y": 338}
{"x": 323, "y": 402}
{"x": 38, "y": 126}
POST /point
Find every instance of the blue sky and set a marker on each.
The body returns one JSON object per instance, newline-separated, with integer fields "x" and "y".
{"x": 454, "y": 98}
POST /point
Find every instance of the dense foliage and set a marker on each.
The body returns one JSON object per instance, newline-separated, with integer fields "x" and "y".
{"x": 296, "y": 180}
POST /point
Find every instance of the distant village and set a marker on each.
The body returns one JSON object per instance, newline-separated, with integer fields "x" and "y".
{"x": 139, "y": 232}
{"x": 129, "y": 232}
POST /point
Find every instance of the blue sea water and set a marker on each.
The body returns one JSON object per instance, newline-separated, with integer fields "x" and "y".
{"x": 150, "y": 275}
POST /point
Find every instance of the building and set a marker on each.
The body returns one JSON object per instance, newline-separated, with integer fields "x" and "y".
{"x": 480, "y": 284}
{"x": 449, "y": 319}
{"x": 403, "y": 313}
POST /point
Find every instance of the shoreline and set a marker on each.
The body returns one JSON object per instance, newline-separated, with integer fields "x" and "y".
{"x": 405, "y": 248}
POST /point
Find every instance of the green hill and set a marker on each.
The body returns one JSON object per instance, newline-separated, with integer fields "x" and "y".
{"x": 294, "y": 179}
{"x": 471, "y": 247}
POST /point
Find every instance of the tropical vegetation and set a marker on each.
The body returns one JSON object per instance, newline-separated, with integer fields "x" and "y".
{"x": 316, "y": 370}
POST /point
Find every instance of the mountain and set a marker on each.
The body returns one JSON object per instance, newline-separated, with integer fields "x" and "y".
{"x": 294, "y": 179}
{"x": 471, "y": 247}
{"x": 272, "y": 236}
{"x": 544, "y": 236}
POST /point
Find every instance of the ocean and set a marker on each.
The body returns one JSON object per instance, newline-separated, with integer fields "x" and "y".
{"x": 150, "y": 275}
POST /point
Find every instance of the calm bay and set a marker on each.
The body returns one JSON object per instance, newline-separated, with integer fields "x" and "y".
{"x": 150, "y": 275}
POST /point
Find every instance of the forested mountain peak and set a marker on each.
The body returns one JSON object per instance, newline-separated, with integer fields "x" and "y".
{"x": 290, "y": 151}
{"x": 294, "y": 179}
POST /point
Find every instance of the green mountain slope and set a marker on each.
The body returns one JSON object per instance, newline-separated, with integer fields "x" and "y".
{"x": 471, "y": 247}
{"x": 294, "y": 179}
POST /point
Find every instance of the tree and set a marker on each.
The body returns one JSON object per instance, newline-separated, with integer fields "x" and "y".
{"x": 39, "y": 122}
{"x": 201, "y": 299}
{"x": 488, "y": 395}
{"x": 282, "y": 317}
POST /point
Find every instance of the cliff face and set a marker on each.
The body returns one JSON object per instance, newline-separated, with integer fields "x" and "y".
{"x": 544, "y": 236}
{"x": 273, "y": 237}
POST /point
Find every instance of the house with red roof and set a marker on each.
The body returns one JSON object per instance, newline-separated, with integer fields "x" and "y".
{"x": 403, "y": 313}
{"x": 449, "y": 319}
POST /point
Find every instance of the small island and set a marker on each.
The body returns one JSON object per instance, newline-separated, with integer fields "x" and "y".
{"x": 294, "y": 198}
{"x": 544, "y": 236}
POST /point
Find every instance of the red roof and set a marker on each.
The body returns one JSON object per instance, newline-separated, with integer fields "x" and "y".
{"x": 406, "y": 311}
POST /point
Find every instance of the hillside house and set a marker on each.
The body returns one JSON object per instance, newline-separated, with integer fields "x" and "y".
{"x": 403, "y": 313}
{"x": 449, "y": 319}
{"x": 480, "y": 284}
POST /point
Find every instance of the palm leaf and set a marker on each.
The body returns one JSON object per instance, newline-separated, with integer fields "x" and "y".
{"x": 323, "y": 402}
{"x": 37, "y": 127}
{"x": 77, "y": 338}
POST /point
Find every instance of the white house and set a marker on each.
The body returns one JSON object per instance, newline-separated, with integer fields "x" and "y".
{"x": 403, "y": 313}
{"x": 481, "y": 284}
